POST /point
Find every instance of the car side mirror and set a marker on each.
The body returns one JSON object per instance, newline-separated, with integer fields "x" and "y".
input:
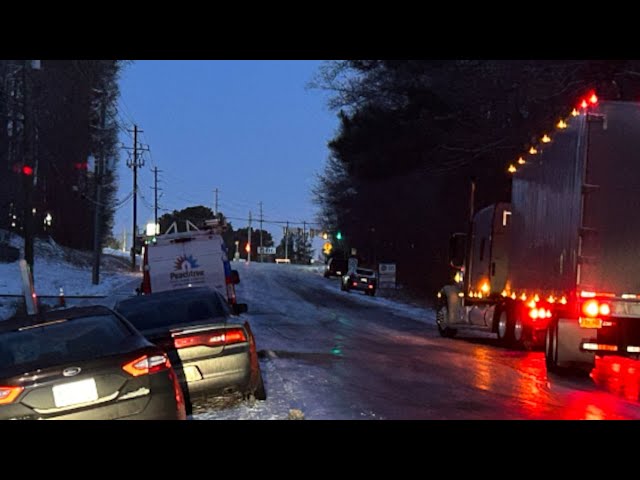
{"x": 239, "y": 308}
{"x": 235, "y": 277}
{"x": 457, "y": 250}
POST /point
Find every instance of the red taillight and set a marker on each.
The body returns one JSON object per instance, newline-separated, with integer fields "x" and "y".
{"x": 590, "y": 308}
{"x": 211, "y": 339}
{"x": 146, "y": 365}
{"x": 9, "y": 394}
{"x": 180, "y": 401}
{"x": 593, "y": 99}
{"x": 593, "y": 308}
{"x": 539, "y": 313}
{"x": 355, "y": 284}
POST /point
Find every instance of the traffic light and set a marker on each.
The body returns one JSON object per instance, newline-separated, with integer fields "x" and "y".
{"x": 247, "y": 248}
{"x": 339, "y": 235}
{"x": 27, "y": 170}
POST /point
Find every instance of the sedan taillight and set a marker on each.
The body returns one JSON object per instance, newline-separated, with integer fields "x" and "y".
{"x": 146, "y": 365}
{"x": 9, "y": 394}
{"x": 211, "y": 338}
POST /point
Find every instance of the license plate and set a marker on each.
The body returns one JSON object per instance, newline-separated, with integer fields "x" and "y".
{"x": 76, "y": 392}
{"x": 191, "y": 373}
{"x": 363, "y": 280}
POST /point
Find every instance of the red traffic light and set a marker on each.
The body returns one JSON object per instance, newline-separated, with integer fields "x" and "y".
{"x": 27, "y": 170}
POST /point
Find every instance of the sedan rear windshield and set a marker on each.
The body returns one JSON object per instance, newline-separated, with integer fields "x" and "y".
{"x": 363, "y": 271}
{"x": 148, "y": 314}
{"x": 62, "y": 341}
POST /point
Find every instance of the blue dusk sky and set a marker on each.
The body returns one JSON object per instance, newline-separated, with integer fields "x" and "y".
{"x": 251, "y": 129}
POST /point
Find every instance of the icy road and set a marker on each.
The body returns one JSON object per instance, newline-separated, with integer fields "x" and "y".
{"x": 339, "y": 355}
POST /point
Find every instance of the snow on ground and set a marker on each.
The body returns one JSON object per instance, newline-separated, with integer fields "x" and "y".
{"x": 54, "y": 268}
{"x": 306, "y": 380}
{"x": 287, "y": 380}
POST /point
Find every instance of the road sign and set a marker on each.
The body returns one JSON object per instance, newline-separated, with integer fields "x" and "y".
{"x": 387, "y": 275}
{"x": 267, "y": 250}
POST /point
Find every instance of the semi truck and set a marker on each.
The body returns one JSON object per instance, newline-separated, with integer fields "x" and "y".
{"x": 559, "y": 265}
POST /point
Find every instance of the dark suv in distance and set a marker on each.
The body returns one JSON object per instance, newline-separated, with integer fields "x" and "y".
{"x": 363, "y": 279}
{"x": 84, "y": 363}
{"x": 336, "y": 267}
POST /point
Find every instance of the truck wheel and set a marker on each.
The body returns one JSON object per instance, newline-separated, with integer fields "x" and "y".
{"x": 520, "y": 338}
{"x": 441, "y": 322}
{"x": 551, "y": 349}
{"x": 506, "y": 327}
{"x": 503, "y": 326}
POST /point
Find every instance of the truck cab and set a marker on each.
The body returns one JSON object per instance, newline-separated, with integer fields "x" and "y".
{"x": 477, "y": 299}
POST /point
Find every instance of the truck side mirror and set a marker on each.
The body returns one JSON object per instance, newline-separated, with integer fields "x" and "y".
{"x": 457, "y": 249}
{"x": 235, "y": 277}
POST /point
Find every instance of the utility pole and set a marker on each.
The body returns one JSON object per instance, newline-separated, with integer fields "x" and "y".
{"x": 304, "y": 238}
{"x": 468, "y": 261}
{"x": 98, "y": 172}
{"x": 261, "y": 254}
{"x": 249, "y": 241}
{"x": 135, "y": 164}
{"x": 286, "y": 241}
{"x": 215, "y": 208}
{"x": 155, "y": 206}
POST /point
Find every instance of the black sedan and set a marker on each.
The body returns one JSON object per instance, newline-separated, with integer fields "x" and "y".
{"x": 362, "y": 279}
{"x": 84, "y": 363}
{"x": 213, "y": 353}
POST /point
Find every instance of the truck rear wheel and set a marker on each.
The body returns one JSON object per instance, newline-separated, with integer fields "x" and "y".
{"x": 510, "y": 328}
{"x": 441, "y": 322}
{"x": 551, "y": 348}
{"x": 503, "y": 327}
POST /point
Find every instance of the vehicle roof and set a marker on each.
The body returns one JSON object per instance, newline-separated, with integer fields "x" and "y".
{"x": 177, "y": 294}
{"x": 365, "y": 271}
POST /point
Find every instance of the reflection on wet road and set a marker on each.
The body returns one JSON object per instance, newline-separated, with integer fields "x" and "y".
{"x": 382, "y": 359}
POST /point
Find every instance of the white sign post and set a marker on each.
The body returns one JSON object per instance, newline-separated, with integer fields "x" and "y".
{"x": 28, "y": 291}
{"x": 387, "y": 275}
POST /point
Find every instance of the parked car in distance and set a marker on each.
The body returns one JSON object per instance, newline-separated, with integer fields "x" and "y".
{"x": 212, "y": 351}
{"x": 363, "y": 279}
{"x": 84, "y": 363}
{"x": 336, "y": 267}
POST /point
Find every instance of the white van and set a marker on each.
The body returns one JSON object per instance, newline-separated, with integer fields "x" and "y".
{"x": 189, "y": 259}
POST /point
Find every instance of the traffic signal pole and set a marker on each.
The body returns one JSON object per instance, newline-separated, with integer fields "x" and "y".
{"x": 28, "y": 171}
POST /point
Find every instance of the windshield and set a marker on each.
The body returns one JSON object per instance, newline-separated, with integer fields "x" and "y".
{"x": 62, "y": 341}
{"x": 150, "y": 313}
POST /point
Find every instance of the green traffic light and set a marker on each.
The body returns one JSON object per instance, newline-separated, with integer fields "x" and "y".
{"x": 339, "y": 235}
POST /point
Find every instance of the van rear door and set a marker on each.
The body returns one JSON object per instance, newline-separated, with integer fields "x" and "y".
{"x": 187, "y": 262}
